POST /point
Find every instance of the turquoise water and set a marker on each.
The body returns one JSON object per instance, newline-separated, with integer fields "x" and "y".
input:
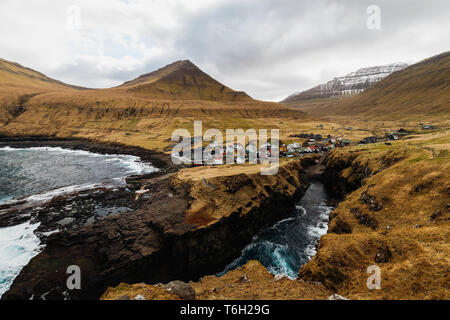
{"x": 285, "y": 247}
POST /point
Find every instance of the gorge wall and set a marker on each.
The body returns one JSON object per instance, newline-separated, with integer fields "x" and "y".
{"x": 395, "y": 215}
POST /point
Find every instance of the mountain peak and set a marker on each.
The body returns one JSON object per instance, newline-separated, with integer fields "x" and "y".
{"x": 177, "y": 66}
{"x": 182, "y": 80}
{"x": 186, "y": 62}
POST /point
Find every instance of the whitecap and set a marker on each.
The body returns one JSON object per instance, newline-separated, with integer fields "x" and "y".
{"x": 18, "y": 245}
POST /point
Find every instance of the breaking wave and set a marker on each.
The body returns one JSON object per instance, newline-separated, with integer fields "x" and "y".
{"x": 43, "y": 172}
{"x": 18, "y": 245}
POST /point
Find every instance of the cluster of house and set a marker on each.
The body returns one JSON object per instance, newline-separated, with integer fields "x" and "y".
{"x": 315, "y": 143}
{"x": 217, "y": 155}
{"x": 389, "y": 137}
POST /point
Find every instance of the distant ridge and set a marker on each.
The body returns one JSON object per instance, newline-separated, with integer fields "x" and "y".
{"x": 348, "y": 85}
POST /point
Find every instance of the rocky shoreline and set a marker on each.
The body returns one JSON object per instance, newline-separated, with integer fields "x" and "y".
{"x": 75, "y": 209}
{"x": 152, "y": 240}
{"x": 86, "y": 207}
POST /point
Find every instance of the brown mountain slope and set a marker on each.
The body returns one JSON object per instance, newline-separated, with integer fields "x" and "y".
{"x": 18, "y": 84}
{"x": 14, "y": 74}
{"x": 182, "y": 80}
{"x": 422, "y": 89}
{"x": 142, "y": 112}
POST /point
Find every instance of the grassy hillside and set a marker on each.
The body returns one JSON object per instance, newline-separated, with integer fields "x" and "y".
{"x": 182, "y": 80}
{"x": 15, "y": 75}
{"x": 18, "y": 84}
{"x": 398, "y": 220}
{"x": 142, "y": 112}
{"x": 421, "y": 90}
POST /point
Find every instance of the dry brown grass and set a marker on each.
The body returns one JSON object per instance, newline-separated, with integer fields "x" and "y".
{"x": 253, "y": 282}
{"x": 249, "y": 282}
{"x": 132, "y": 291}
{"x": 234, "y": 188}
{"x": 412, "y": 185}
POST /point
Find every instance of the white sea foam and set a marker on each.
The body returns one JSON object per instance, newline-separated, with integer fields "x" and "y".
{"x": 18, "y": 245}
{"x": 136, "y": 166}
{"x": 318, "y": 230}
{"x": 279, "y": 223}
{"x": 282, "y": 266}
{"x": 303, "y": 210}
{"x": 132, "y": 164}
{"x": 48, "y": 195}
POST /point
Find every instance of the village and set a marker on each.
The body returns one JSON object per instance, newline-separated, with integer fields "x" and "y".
{"x": 214, "y": 154}
{"x": 310, "y": 143}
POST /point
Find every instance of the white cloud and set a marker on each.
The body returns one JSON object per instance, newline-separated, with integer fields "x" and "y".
{"x": 266, "y": 48}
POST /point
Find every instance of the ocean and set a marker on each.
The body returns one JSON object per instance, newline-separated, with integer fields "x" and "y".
{"x": 39, "y": 174}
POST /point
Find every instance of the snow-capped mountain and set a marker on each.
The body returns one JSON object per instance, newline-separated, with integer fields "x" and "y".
{"x": 350, "y": 84}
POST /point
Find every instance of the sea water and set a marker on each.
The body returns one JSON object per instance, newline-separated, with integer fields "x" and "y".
{"x": 36, "y": 171}
{"x": 285, "y": 247}
{"x": 39, "y": 174}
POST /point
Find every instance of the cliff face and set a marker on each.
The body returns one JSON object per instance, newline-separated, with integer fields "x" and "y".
{"x": 172, "y": 236}
{"x": 348, "y": 85}
{"x": 397, "y": 217}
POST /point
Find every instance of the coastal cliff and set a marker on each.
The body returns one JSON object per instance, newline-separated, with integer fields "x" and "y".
{"x": 394, "y": 214}
{"x": 172, "y": 236}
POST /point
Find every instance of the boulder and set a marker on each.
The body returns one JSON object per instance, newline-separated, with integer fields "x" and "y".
{"x": 181, "y": 289}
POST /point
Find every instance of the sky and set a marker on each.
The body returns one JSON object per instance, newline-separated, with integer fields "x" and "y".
{"x": 267, "y": 48}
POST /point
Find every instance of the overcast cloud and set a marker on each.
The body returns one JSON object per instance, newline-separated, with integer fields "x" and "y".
{"x": 269, "y": 49}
